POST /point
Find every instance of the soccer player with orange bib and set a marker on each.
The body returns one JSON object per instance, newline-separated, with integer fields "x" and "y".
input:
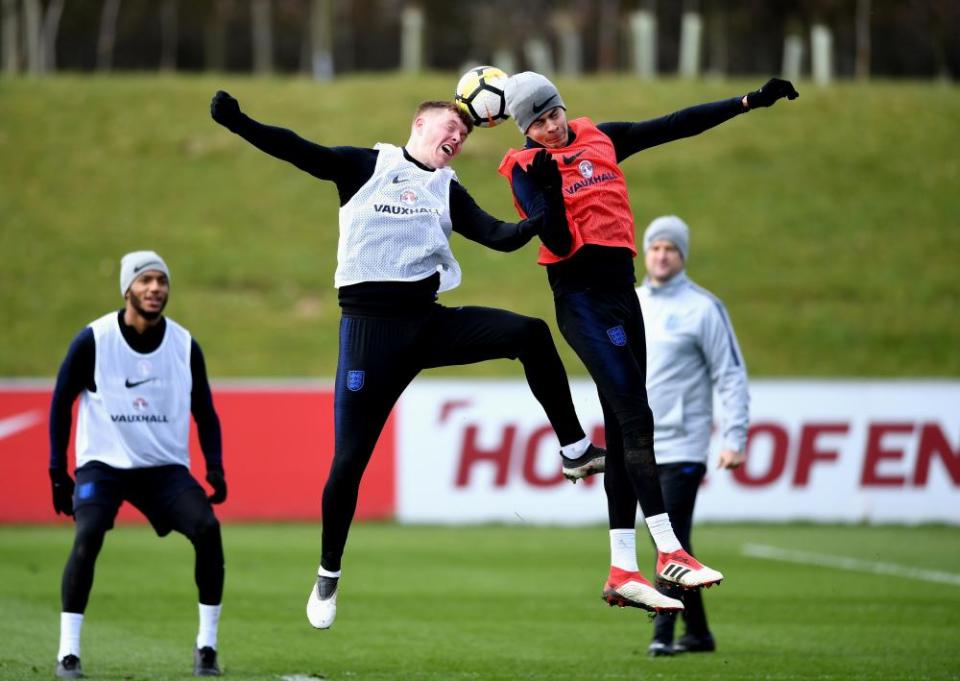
{"x": 569, "y": 171}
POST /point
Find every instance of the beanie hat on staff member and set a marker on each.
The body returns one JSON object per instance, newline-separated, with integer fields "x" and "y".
{"x": 668, "y": 228}
{"x": 528, "y": 96}
{"x": 132, "y": 265}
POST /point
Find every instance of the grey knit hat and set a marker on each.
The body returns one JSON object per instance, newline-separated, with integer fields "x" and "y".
{"x": 668, "y": 228}
{"x": 132, "y": 265}
{"x": 528, "y": 96}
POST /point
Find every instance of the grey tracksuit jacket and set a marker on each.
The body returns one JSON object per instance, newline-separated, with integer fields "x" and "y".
{"x": 692, "y": 351}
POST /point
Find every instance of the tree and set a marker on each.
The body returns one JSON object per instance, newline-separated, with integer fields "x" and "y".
{"x": 48, "y": 35}
{"x": 718, "y": 27}
{"x": 32, "y": 15}
{"x": 11, "y": 35}
{"x": 862, "y": 63}
{"x": 168, "y": 35}
{"x": 321, "y": 39}
{"x": 691, "y": 31}
{"x": 568, "y": 21}
{"x": 412, "y": 26}
{"x": 262, "y": 27}
{"x": 608, "y": 24}
{"x": 938, "y": 38}
{"x": 215, "y": 35}
{"x": 107, "y": 35}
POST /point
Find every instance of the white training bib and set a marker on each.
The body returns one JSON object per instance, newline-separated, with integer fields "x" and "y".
{"x": 397, "y": 226}
{"x": 139, "y": 415}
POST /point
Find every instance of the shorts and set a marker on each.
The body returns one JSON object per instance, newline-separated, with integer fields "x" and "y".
{"x": 152, "y": 491}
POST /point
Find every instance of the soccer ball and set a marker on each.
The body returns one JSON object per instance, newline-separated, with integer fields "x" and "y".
{"x": 480, "y": 94}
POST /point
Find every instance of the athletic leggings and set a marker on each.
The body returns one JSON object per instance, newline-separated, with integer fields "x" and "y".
{"x": 191, "y": 515}
{"x": 680, "y": 482}
{"x": 605, "y": 329}
{"x": 380, "y": 356}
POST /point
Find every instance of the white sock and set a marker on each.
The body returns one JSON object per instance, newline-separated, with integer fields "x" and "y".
{"x": 623, "y": 549}
{"x": 321, "y": 572}
{"x": 209, "y": 622}
{"x": 572, "y": 451}
{"x": 70, "y": 625}
{"x": 662, "y": 532}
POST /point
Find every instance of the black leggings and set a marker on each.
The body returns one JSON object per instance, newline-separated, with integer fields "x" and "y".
{"x": 380, "y": 356}
{"x": 680, "y": 482}
{"x": 190, "y": 514}
{"x": 605, "y": 329}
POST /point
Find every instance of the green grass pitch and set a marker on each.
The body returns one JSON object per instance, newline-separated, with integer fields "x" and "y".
{"x": 491, "y": 602}
{"x": 828, "y": 225}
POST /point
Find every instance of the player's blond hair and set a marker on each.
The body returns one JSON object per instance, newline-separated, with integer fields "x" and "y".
{"x": 433, "y": 104}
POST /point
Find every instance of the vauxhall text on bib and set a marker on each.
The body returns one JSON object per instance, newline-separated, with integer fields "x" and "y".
{"x": 139, "y": 415}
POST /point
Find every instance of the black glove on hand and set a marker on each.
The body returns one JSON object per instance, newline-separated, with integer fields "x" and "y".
{"x": 62, "y": 491}
{"x": 219, "y": 484}
{"x": 771, "y": 91}
{"x": 225, "y": 110}
{"x": 554, "y": 231}
{"x": 544, "y": 172}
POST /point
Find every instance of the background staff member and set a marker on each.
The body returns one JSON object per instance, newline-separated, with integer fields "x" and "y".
{"x": 691, "y": 351}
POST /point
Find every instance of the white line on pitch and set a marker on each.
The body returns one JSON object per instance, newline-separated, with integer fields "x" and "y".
{"x": 853, "y": 564}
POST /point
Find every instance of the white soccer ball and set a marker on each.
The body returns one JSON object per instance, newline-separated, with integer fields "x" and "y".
{"x": 480, "y": 93}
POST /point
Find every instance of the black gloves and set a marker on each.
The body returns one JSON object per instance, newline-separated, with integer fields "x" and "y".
{"x": 219, "y": 484}
{"x": 62, "y": 491}
{"x": 225, "y": 110}
{"x": 771, "y": 91}
{"x": 544, "y": 172}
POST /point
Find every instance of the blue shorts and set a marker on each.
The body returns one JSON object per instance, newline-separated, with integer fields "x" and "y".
{"x": 152, "y": 491}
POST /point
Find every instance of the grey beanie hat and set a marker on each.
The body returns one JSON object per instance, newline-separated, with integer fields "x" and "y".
{"x": 528, "y": 96}
{"x": 668, "y": 228}
{"x": 132, "y": 265}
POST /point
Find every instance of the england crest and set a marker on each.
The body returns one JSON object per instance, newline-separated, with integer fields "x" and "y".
{"x": 617, "y": 335}
{"x": 355, "y": 379}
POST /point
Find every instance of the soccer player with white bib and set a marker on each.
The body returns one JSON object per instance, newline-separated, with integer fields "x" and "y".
{"x": 398, "y": 207}
{"x": 692, "y": 351}
{"x": 139, "y": 376}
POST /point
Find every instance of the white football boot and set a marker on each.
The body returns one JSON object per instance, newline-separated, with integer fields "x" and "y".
{"x": 679, "y": 567}
{"x": 322, "y": 604}
{"x": 631, "y": 589}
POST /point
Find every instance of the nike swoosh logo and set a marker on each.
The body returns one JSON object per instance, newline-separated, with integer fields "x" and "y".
{"x": 134, "y": 384}
{"x": 537, "y": 108}
{"x": 397, "y": 180}
{"x": 570, "y": 159}
{"x": 14, "y": 424}
{"x": 145, "y": 265}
